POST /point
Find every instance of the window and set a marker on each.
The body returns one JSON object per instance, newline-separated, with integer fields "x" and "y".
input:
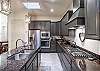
{"x": 3, "y": 27}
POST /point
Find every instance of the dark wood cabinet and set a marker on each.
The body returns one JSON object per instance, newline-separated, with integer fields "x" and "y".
{"x": 45, "y": 25}
{"x": 64, "y": 20}
{"x": 39, "y": 59}
{"x": 42, "y": 25}
{"x": 59, "y": 28}
{"x": 56, "y": 28}
{"x": 52, "y": 30}
{"x": 92, "y": 19}
{"x": 34, "y": 25}
{"x": 77, "y": 4}
{"x": 67, "y": 60}
{"x": 62, "y": 61}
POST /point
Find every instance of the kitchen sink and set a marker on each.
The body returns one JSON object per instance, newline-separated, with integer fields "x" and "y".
{"x": 26, "y": 51}
{"x": 20, "y": 56}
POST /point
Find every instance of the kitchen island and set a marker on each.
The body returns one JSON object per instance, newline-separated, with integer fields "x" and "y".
{"x": 23, "y": 60}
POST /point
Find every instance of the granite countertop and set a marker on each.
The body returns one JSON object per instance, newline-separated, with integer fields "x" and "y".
{"x": 13, "y": 64}
{"x": 91, "y": 65}
{"x": 94, "y": 49}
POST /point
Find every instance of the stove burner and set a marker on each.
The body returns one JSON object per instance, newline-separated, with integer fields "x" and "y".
{"x": 81, "y": 55}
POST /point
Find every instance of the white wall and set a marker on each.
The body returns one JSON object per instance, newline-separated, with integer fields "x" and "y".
{"x": 17, "y": 29}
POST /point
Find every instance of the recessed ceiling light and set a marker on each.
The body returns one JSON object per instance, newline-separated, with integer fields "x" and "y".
{"x": 51, "y": 10}
{"x": 32, "y": 5}
{"x": 53, "y": 0}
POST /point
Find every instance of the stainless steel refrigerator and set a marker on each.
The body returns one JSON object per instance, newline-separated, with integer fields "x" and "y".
{"x": 34, "y": 38}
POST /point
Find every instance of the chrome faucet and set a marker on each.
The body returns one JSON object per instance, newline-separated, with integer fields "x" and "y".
{"x": 17, "y": 43}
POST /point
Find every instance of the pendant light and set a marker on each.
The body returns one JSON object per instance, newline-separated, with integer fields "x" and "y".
{"x": 27, "y": 17}
{"x": 5, "y": 6}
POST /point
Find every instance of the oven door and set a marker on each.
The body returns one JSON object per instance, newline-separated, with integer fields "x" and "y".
{"x": 45, "y": 44}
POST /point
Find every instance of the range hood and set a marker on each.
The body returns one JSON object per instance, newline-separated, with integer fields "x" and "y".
{"x": 79, "y": 13}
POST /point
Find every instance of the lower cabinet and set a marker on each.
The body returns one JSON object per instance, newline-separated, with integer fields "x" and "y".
{"x": 39, "y": 59}
{"x": 33, "y": 63}
{"x": 67, "y": 61}
{"x": 58, "y": 48}
{"x": 64, "y": 62}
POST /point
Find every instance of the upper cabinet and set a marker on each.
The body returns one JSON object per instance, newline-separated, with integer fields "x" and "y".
{"x": 42, "y": 25}
{"x": 64, "y": 20}
{"x": 55, "y": 28}
{"x": 76, "y": 4}
{"x": 78, "y": 12}
{"x": 92, "y": 19}
{"x": 34, "y": 25}
{"x": 52, "y": 30}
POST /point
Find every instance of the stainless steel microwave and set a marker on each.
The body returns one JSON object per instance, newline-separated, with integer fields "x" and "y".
{"x": 45, "y": 34}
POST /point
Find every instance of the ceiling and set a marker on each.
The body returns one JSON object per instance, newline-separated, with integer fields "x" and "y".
{"x": 59, "y": 6}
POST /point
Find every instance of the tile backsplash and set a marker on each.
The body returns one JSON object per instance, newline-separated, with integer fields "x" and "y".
{"x": 89, "y": 44}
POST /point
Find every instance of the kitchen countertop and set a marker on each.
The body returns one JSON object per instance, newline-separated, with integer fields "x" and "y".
{"x": 85, "y": 45}
{"x": 91, "y": 65}
{"x": 16, "y": 65}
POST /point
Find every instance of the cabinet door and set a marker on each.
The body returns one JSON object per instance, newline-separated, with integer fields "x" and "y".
{"x": 62, "y": 62}
{"x": 63, "y": 30}
{"x": 47, "y": 26}
{"x": 31, "y": 25}
{"x": 92, "y": 9}
{"x": 67, "y": 65}
{"x": 39, "y": 59}
{"x": 63, "y": 27}
{"x": 34, "y": 25}
{"x": 56, "y": 29}
{"x": 42, "y": 25}
{"x": 52, "y": 29}
{"x": 38, "y": 25}
{"x": 67, "y": 30}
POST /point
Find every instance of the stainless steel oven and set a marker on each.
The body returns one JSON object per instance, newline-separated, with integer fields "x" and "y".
{"x": 45, "y": 39}
{"x": 45, "y": 43}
